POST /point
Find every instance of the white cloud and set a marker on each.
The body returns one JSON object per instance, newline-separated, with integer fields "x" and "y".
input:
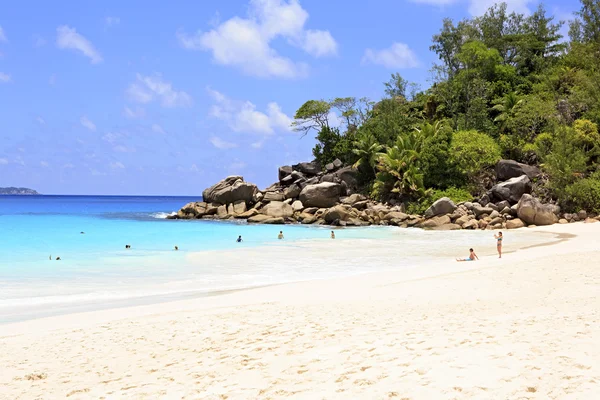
{"x": 3, "y": 161}
{"x": 244, "y": 117}
{"x": 222, "y": 144}
{"x": 116, "y": 165}
{"x": 68, "y": 38}
{"x": 87, "y": 123}
{"x": 123, "y": 149}
{"x": 40, "y": 120}
{"x": 2, "y": 35}
{"x": 398, "y": 55}
{"x": 237, "y": 166}
{"x": 246, "y": 42}
{"x": 158, "y": 129}
{"x": 44, "y": 164}
{"x": 111, "y": 21}
{"x": 319, "y": 43}
{"x": 5, "y": 78}
{"x": 138, "y": 112}
{"x": 148, "y": 88}
{"x": 258, "y": 145}
{"x": 194, "y": 168}
{"x": 68, "y": 166}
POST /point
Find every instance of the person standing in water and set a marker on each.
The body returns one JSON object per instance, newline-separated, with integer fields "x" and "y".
{"x": 239, "y": 239}
{"x": 332, "y": 234}
{"x": 498, "y": 238}
{"x": 472, "y": 257}
{"x": 280, "y": 236}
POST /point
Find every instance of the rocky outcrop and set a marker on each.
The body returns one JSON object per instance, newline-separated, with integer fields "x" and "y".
{"x": 326, "y": 194}
{"x": 278, "y": 209}
{"x": 308, "y": 168}
{"x": 307, "y": 194}
{"x": 507, "y": 169}
{"x": 337, "y": 213}
{"x": 511, "y": 190}
{"x": 284, "y": 172}
{"x": 515, "y": 224}
{"x": 531, "y": 211}
{"x": 230, "y": 190}
{"x": 440, "y": 207}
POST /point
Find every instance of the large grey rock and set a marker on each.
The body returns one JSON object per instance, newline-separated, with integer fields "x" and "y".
{"x": 332, "y": 166}
{"x": 396, "y": 215}
{"x": 336, "y": 213}
{"x": 230, "y": 190}
{"x": 248, "y": 214}
{"x": 297, "y": 206}
{"x": 308, "y": 168}
{"x": 193, "y": 210}
{"x": 325, "y": 194}
{"x": 222, "y": 211}
{"x": 353, "y": 199}
{"x": 435, "y": 222}
{"x": 330, "y": 178}
{"x": 348, "y": 175}
{"x": 440, "y": 207}
{"x": 512, "y": 189}
{"x": 258, "y": 218}
{"x": 273, "y": 196}
{"x": 515, "y": 224}
{"x": 284, "y": 171}
{"x": 239, "y": 207}
{"x": 479, "y": 210}
{"x": 277, "y": 209}
{"x": 531, "y": 211}
{"x": 292, "y": 191}
{"x": 507, "y": 169}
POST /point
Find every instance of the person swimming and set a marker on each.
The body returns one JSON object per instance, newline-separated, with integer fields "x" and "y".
{"x": 472, "y": 257}
{"x": 239, "y": 239}
{"x": 57, "y": 258}
{"x": 128, "y": 246}
{"x": 280, "y": 236}
{"x": 498, "y": 238}
{"x": 176, "y": 248}
{"x": 332, "y": 234}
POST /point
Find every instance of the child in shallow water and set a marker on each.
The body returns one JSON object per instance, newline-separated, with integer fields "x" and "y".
{"x": 472, "y": 257}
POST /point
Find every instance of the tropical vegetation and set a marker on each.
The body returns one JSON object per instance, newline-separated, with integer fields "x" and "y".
{"x": 507, "y": 86}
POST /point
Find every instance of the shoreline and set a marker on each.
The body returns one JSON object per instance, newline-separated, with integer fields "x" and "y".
{"x": 143, "y": 302}
{"x": 510, "y": 328}
{"x": 278, "y": 249}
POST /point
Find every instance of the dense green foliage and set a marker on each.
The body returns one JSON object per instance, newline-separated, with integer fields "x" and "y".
{"x": 584, "y": 194}
{"x": 507, "y": 85}
{"x": 457, "y": 195}
{"x": 473, "y": 152}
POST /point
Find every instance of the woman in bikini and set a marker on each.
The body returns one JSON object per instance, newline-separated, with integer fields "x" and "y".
{"x": 498, "y": 237}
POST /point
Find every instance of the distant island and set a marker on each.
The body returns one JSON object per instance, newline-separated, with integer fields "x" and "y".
{"x": 15, "y": 190}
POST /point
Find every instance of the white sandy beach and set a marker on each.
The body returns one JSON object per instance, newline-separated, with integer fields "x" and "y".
{"x": 524, "y": 327}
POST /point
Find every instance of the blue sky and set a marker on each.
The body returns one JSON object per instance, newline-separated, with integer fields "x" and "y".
{"x": 135, "y": 97}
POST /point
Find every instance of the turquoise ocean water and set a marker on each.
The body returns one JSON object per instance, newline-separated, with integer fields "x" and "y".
{"x": 95, "y": 267}
{"x": 96, "y": 271}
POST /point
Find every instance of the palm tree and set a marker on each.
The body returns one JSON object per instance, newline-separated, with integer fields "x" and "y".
{"x": 398, "y": 168}
{"x": 506, "y": 108}
{"x": 428, "y": 130}
{"x": 367, "y": 148}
